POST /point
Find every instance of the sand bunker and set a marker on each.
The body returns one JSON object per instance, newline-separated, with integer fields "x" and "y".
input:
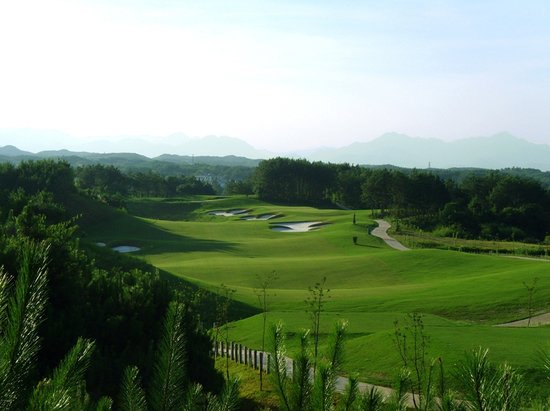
{"x": 261, "y": 217}
{"x": 126, "y": 249}
{"x": 228, "y": 213}
{"x": 297, "y": 227}
{"x": 101, "y": 244}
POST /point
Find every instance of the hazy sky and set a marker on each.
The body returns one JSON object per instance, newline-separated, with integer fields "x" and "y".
{"x": 280, "y": 74}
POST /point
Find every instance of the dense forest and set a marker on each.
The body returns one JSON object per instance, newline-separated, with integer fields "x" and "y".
{"x": 110, "y": 185}
{"x": 218, "y": 171}
{"x": 92, "y": 293}
{"x": 492, "y": 205}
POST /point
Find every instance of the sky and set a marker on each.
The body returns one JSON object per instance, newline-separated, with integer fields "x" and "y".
{"x": 281, "y": 75}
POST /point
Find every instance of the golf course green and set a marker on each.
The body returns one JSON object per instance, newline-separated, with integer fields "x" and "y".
{"x": 462, "y": 296}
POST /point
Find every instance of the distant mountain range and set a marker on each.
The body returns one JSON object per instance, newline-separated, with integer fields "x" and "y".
{"x": 499, "y": 151}
{"x": 127, "y": 160}
{"x": 178, "y": 143}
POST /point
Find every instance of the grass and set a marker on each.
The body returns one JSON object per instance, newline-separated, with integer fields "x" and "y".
{"x": 249, "y": 382}
{"x": 462, "y": 295}
{"x": 421, "y": 239}
{"x": 370, "y": 349}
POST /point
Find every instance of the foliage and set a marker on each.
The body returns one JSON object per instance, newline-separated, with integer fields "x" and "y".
{"x": 239, "y": 187}
{"x": 66, "y": 389}
{"x": 493, "y": 205}
{"x": 170, "y": 389}
{"x": 265, "y": 282}
{"x": 412, "y": 343}
{"x": 315, "y": 304}
{"x": 293, "y": 181}
{"x": 132, "y": 396}
{"x": 225, "y": 299}
{"x": 22, "y": 314}
{"x": 300, "y": 388}
{"x": 169, "y": 373}
{"x": 95, "y": 294}
{"x": 108, "y": 184}
{"x": 490, "y": 388}
{"x": 20, "y": 318}
{"x": 531, "y": 288}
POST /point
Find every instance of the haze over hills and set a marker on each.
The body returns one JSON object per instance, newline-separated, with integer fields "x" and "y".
{"x": 495, "y": 152}
{"x": 178, "y": 143}
{"x": 498, "y": 151}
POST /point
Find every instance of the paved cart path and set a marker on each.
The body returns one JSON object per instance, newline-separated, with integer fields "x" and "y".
{"x": 382, "y": 232}
{"x": 536, "y": 321}
{"x": 341, "y": 382}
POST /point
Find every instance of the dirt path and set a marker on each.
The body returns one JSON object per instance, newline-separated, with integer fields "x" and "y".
{"x": 382, "y": 232}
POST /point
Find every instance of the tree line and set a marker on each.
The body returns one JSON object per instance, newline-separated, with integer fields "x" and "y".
{"x": 493, "y": 205}
{"x": 108, "y": 183}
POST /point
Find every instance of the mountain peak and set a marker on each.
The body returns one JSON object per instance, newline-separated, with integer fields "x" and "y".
{"x": 12, "y": 151}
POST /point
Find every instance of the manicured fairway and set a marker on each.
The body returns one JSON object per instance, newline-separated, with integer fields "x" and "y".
{"x": 463, "y": 295}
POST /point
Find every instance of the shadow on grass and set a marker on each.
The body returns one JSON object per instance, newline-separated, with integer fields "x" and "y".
{"x": 208, "y": 301}
{"x": 153, "y": 240}
{"x": 367, "y": 245}
{"x": 171, "y": 210}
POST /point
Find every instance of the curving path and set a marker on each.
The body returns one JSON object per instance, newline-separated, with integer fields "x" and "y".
{"x": 382, "y": 232}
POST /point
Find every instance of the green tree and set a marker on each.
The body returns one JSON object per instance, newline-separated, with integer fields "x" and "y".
{"x": 299, "y": 389}
{"x": 490, "y": 388}
{"x": 412, "y": 343}
{"x": 377, "y": 190}
{"x": 294, "y": 181}
{"x": 239, "y": 187}
{"x": 170, "y": 388}
{"x": 265, "y": 282}
{"x": 21, "y": 313}
{"x": 530, "y": 288}
{"x": 225, "y": 299}
{"x": 315, "y": 305}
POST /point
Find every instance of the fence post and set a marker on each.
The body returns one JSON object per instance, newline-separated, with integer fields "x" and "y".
{"x": 261, "y": 361}
{"x": 246, "y": 355}
{"x": 223, "y": 351}
{"x": 268, "y": 363}
{"x": 255, "y": 359}
{"x": 232, "y": 352}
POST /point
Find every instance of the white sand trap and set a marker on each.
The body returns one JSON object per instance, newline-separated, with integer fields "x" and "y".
{"x": 101, "y": 244}
{"x": 228, "y": 213}
{"x": 297, "y": 227}
{"x": 126, "y": 249}
{"x": 261, "y": 217}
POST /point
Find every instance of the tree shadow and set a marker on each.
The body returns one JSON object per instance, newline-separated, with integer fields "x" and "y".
{"x": 168, "y": 209}
{"x": 368, "y": 245}
{"x": 128, "y": 230}
{"x": 207, "y": 301}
